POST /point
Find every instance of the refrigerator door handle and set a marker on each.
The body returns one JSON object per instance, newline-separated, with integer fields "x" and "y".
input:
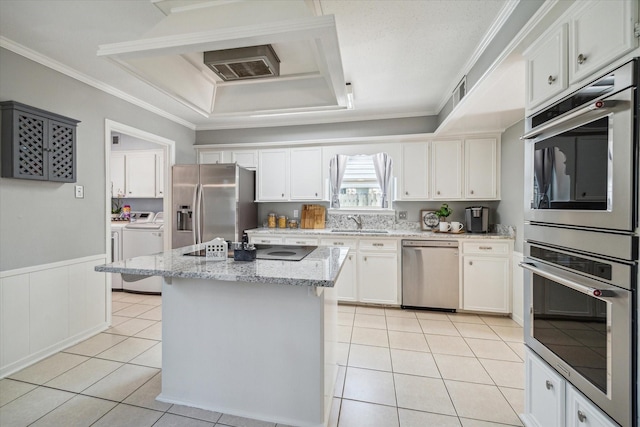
{"x": 198, "y": 214}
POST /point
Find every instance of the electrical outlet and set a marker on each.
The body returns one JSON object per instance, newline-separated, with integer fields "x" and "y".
{"x": 402, "y": 214}
{"x": 295, "y": 213}
{"x": 79, "y": 191}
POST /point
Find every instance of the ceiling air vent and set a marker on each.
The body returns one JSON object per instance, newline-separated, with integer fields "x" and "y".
{"x": 243, "y": 63}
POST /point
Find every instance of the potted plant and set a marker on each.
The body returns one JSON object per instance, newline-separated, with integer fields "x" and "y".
{"x": 444, "y": 212}
{"x": 116, "y": 207}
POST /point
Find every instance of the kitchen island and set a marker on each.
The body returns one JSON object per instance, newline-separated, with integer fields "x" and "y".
{"x": 254, "y": 339}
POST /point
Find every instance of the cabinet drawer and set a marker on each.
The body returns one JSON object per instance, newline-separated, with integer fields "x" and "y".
{"x": 351, "y": 243}
{"x": 302, "y": 241}
{"x": 486, "y": 248}
{"x": 270, "y": 240}
{"x": 379, "y": 245}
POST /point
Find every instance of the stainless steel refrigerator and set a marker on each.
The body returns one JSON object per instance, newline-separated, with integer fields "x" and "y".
{"x": 212, "y": 201}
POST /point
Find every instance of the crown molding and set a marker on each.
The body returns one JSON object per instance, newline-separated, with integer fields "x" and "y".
{"x": 74, "y": 74}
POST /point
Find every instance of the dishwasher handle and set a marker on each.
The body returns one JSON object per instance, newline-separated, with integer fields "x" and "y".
{"x": 429, "y": 243}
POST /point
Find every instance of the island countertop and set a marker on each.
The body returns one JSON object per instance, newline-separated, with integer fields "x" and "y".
{"x": 320, "y": 268}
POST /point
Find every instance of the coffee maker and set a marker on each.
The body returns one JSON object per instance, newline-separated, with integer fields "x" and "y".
{"x": 477, "y": 219}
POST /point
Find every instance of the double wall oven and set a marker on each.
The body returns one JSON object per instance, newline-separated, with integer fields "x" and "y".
{"x": 581, "y": 244}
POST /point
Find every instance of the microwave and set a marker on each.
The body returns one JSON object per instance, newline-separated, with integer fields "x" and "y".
{"x": 580, "y": 156}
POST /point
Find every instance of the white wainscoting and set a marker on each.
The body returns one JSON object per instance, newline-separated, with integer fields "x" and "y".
{"x": 517, "y": 304}
{"x": 46, "y": 308}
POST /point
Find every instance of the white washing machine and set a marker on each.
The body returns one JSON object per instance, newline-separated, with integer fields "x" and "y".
{"x": 143, "y": 236}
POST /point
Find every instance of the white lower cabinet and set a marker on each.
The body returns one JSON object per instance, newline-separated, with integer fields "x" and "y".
{"x": 378, "y": 271}
{"x": 346, "y": 286}
{"x": 550, "y": 401}
{"x": 545, "y": 393}
{"x": 486, "y": 276}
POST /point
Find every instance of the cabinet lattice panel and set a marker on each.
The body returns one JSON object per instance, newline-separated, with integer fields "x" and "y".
{"x": 37, "y": 144}
{"x": 31, "y": 137}
{"x": 62, "y": 152}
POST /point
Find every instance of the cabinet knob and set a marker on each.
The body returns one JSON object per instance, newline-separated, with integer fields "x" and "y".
{"x": 471, "y": 192}
{"x": 349, "y": 257}
{"x": 438, "y": 192}
{"x": 581, "y": 416}
{"x": 406, "y": 193}
{"x": 582, "y": 59}
{"x": 282, "y": 194}
{"x": 365, "y": 259}
{"x": 129, "y": 192}
{"x": 549, "y": 385}
{"x": 316, "y": 194}
{"x": 470, "y": 262}
{"x": 551, "y": 80}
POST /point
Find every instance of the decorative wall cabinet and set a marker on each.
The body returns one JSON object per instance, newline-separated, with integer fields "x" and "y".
{"x": 37, "y": 144}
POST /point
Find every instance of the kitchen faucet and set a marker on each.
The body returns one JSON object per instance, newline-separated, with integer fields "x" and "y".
{"x": 357, "y": 219}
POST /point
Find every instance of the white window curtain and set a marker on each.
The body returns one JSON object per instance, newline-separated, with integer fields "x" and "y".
{"x": 383, "y": 164}
{"x": 337, "y": 166}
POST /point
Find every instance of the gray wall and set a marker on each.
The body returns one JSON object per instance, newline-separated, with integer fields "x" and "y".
{"x": 402, "y": 126}
{"x": 511, "y": 206}
{"x": 42, "y": 222}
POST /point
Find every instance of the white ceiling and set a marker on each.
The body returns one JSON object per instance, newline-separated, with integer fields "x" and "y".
{"x": 403, "y": 58}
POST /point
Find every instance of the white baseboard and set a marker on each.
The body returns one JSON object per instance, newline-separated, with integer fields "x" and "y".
{"x": 43, "y": 354}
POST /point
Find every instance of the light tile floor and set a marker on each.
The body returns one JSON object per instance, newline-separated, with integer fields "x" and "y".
{"x": 397, "y": 368}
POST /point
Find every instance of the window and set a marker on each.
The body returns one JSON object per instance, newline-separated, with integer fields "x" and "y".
{"x": 361, "y": 181}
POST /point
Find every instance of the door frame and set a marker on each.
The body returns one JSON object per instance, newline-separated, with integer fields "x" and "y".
{"x": 169, "y": 148}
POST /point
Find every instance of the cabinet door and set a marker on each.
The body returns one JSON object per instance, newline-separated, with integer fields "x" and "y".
{"x": 415, "y": 171}
{"x": 485, "y": 284}
{"x": 346, "y": 283}
{"x": 210, "y": 157}
{"x": 246, "y": 159}
{"x": 601, "y": 31}
{"x": 160, "y": 174}
{"x": 446, "y": 166}
{"x": 582, "y": 413}
{"x": 118, "y": 187}
{"x": 378, "y": 277}
{"x": 306, "y": 173}
{"x": 273, "y": 175}
{"x": 140, "y": 175}
{"x": 547, "y": 67}
{"x": 481, "y": 168}
{"x": 545, "y": 393}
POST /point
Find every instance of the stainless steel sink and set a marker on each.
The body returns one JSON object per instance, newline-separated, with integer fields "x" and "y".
{"x": 361, "y": 231}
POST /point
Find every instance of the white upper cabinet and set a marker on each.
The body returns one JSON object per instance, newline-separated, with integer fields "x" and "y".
{"x": 600, "y": 31}
{"x": 481, "y": 168}
{"x": 118, "y": 188}
{"x": 547, "y": 66}
{"x": 137, "y": 174}
{"x": 415, "y": 171}
{"x": 273, "y": 175}
{"x": 446, "y": 167}
{"x": 306, "y": 173}
{"x": 210, "y": 157}
{"x": 140, "y": 175}
{"x": 245, "y": 158}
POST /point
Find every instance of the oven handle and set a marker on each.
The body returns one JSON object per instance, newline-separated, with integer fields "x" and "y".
{"x": 591, "y": 107}
{"x": 587, "y": 290}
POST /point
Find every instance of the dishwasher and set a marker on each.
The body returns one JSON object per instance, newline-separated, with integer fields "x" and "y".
{"x": 430, "y": 274}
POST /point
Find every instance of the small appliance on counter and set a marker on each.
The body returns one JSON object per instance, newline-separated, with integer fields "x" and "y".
{"x": 476, "y": 219}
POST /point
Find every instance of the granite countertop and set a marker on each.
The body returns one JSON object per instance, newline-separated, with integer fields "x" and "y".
{"x": 324, "y": 232}
{"x": 319, "y": 268}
